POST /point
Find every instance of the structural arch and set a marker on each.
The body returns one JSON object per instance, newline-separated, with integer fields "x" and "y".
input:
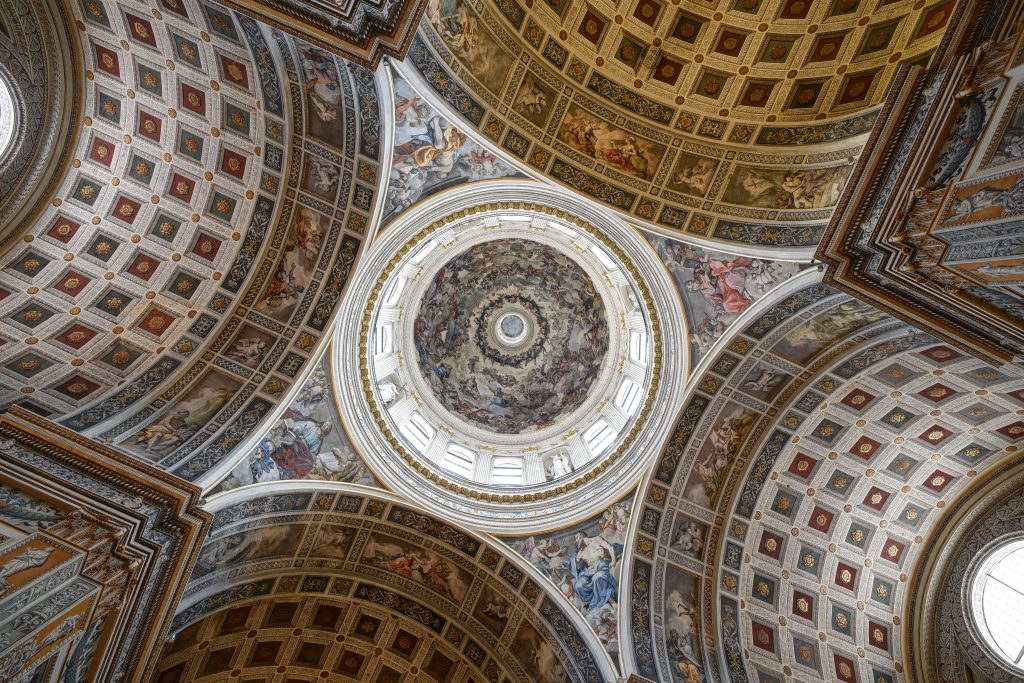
{"x": 356, "y": 544}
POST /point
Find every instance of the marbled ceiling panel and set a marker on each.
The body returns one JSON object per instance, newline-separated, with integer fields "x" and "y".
{"x": 350, "y": 545}
{"x": 830, "y": 433}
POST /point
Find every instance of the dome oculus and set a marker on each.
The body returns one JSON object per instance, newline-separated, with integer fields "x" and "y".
{"x": 997, "y": 603}
{"x": 511, "y": 335}
{"x": 8, "y": 117}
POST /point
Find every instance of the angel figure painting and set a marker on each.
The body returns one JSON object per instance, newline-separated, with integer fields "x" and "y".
{"x": 184, "y": 418}
{"x": 464, "y": 34}
{"x": 598, "y": 139}
{"x": 323, "y": 95}
{"x": 716, "y": 287}
{"x": 717, "y": 454}
{"x": 688, "y": 535}
{"x": 278, "y": 540}
{"x": 682, "y": 640}
{"x": 583, "y": 561}
{"x": 250, "y": 346}
{"x": 304, "y": 443}
{"x": 431, "y": 154}
{"x": 534, "y": 100}
{"x": 693, "y": 174}
{"x": 538, "y": 658}
{"x": 295, "y": 270}
{"x": 492, "y": 610}
{"x": 423, "y": 566}
{"x": 332, "y": 541}
{"x": 797, "y": 188}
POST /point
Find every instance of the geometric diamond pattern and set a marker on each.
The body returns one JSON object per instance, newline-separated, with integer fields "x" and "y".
{"x": 110, "y": 235}
{"x": 872, "y": 490}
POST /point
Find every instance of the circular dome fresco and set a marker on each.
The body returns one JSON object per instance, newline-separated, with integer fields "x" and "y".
{"x": 511, "y": 335}
{"x": 509, "y": 357}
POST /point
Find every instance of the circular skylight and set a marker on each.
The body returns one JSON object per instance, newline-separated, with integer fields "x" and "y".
{"x": 998, "y": 602}
{"x": 8, "y": 117}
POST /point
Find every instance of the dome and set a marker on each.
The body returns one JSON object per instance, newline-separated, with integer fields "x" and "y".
{"x": 511, "y": 334}
{"x": 509, "y": 353}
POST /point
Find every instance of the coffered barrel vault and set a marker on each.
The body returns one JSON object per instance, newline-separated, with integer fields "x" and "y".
{"x": 734, "y": 121}
{"x": 212, "y": 184}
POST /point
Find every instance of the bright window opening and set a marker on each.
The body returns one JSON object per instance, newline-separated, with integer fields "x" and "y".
{"x": 638, "y": 347}
{"x": 418, "y": 432}
{"x": 507, "y": 472}
{"x": 998, "y": 602}
{"x": 629, "y": 397}
{"x": 604, "y": 258}
{"x": 385, "y": 343}
{"x": 8, "y": 117}
{"x": 599, "y": 437}
{"x": 394, "y": 291}
{"x": 459, "y": 460}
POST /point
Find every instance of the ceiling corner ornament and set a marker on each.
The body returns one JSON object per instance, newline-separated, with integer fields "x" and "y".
{"x": 361, "y": 32}
{"x": 539, "y": 383}
{"x": 96, "y": 550}
{"x": 938, "y": 242}
{"x": 943, "y": 637}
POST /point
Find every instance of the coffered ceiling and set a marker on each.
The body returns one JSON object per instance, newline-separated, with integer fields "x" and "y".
{"x": 758, "y": 61}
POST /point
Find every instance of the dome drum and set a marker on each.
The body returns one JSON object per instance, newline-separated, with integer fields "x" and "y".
{"x": 510, "y": 354}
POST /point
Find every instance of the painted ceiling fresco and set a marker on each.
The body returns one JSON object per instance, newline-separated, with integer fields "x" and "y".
{"x": 584, "y": 563}
{"x": 176, "y": 297}
{"x": 802, "y": 476}
{"x": 429, "y": 154}
{"x": 172, "y": 294}
{"x": 531, "y": 382}
{"x": 702, "y": 149}
{"x": 716, "y": 288}
{"x": 379, "y": 561}
{"x": 308, "y": 441}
